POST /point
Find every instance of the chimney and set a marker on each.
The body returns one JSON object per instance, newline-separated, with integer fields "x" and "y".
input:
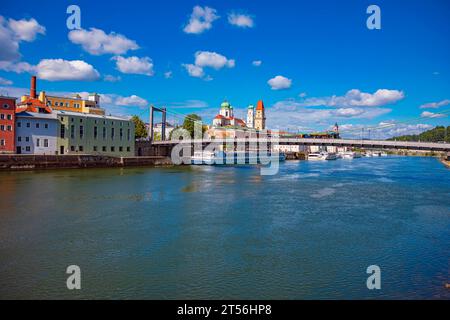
{"x": 33, "y": 88}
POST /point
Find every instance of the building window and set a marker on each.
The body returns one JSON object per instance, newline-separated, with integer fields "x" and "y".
{"x": 56, "y": 103}
{"x": 121, "y": 133}
{"x": 38, "y": 142}
{"x": 67, "y": 104}
{"x": 112, "y": 133}
{"x": 104, "y": 133}
{"x": 95, "y": 133}
{"x": 62, "y": 133}
{"x": 27, "y": 139}
{"x": 5, "y": 106}
{"x": 28, "y": 125}
{"x": 80, "y": 148}
{"x": 104, "y": 149}
{"x": 129, "y": 134}
{"x": 2, "y": 143}
{"x": 95, "y": 148}
{"x": 81, "y": 120}
{"x": 120, "y": 149}
{"x": 46, "y": 143}
{"x": 71, "y": 119}
{"x": 9, "y": 128}
{"x": 96, "y": 121}
{"x": 37, "y": 125}
{"x": 19, "y": 139}
{"x": 49, "y": 102}
{"x": 2, "y": 128}
{"x": 113, "y": 149}
{"x": 46, "y": 126}
{"x": 72, "y": 148}
{"x": 128, "y": 149}
{"x": 72, "y": 132}
{"x": 19, "y": 124}
{"x": 28, "y": 148}
{"x": 81, "y": 132}
{"x": 9, "y": 117}
{"x": 2, "y": 116}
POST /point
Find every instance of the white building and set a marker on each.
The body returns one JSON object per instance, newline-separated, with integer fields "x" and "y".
{"x": 36, "y": 133}
{"x": 226, "y": 117}
{"x": 288, "y": 148}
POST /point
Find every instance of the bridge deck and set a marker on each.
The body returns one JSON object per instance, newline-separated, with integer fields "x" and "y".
{"x": 382, "y": 144}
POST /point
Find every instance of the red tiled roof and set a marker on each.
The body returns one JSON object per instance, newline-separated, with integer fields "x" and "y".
{"x": 32, "y": 105}
{"x": 219, "y": 116}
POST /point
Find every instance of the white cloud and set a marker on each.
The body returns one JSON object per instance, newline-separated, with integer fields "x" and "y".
{"x": 348, "y": 112}
{"x": 382, "y": 130}
{"x": 26, "y": 30}
{"x": 212, "y": 60}
{"x": 257, "y": 63}
{"x": 61, "y": 70}
{"x": 131, "y": 101}
{"x": 280, "y": 83}
{"x": 135, "y": 65}
{"x": 5, "y": 82}
{"x": 12, "y": 32}
{"x": 207, "y": 59}
{"x": 356, "y": 98}
{"x": 97, "y": 42}
{"x": 194, "y": 71}
{"x": 201, "y": 19}
{"x": 241, "y": 20}
{"x": 17, "y": 67}
{"x": 111, "y": 78}
{"x": 168, "y": 74}
{"x": 435, "y": 105}
{"x": 293, "y": 114}
{"x": 427, "y": 114}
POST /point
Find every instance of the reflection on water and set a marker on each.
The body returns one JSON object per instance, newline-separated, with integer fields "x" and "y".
{"x": 228, "y": 232}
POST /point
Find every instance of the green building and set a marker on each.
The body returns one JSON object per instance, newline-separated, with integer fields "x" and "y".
{"x": 83, "y": 133}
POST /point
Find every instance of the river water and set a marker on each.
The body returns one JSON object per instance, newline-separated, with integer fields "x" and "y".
{"x": 309, "y": 232}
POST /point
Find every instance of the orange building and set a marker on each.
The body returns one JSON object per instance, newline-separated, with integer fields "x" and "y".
{"x": 260, "y": 116}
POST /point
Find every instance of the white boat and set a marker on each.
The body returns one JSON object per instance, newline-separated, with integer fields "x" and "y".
{"x": 368, "y": 154}
{"x": 322, "y": 156}
{"x": 232, "y": 158}
{"x": 330, "y": 156}
{"x": 348, "y": 155}
{"x": 357, "y": 155}
{"x": 383, "y": 154}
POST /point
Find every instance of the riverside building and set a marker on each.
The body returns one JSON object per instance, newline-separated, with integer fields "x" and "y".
{"x": 40, "y": 129}
{"x": 7, "y": 118}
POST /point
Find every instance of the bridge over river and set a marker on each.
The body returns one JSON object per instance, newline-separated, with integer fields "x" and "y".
{"x": 369, "y": 144}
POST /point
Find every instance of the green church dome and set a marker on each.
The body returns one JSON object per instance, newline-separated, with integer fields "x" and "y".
{"x": 225, "y": 104}
{"x": 251, "y": 107}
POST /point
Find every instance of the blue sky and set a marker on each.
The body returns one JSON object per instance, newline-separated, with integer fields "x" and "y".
{"x": 325, "y": 64}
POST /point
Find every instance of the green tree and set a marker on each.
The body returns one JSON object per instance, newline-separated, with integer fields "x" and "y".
{"x": 190, "y": 121}
{"x": 139, "y": 125}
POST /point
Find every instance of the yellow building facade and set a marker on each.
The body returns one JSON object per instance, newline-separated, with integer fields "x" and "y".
{"x": 71, "y": 104}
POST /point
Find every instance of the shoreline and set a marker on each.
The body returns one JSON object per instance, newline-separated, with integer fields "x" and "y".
{"x": 14, "y": 163}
